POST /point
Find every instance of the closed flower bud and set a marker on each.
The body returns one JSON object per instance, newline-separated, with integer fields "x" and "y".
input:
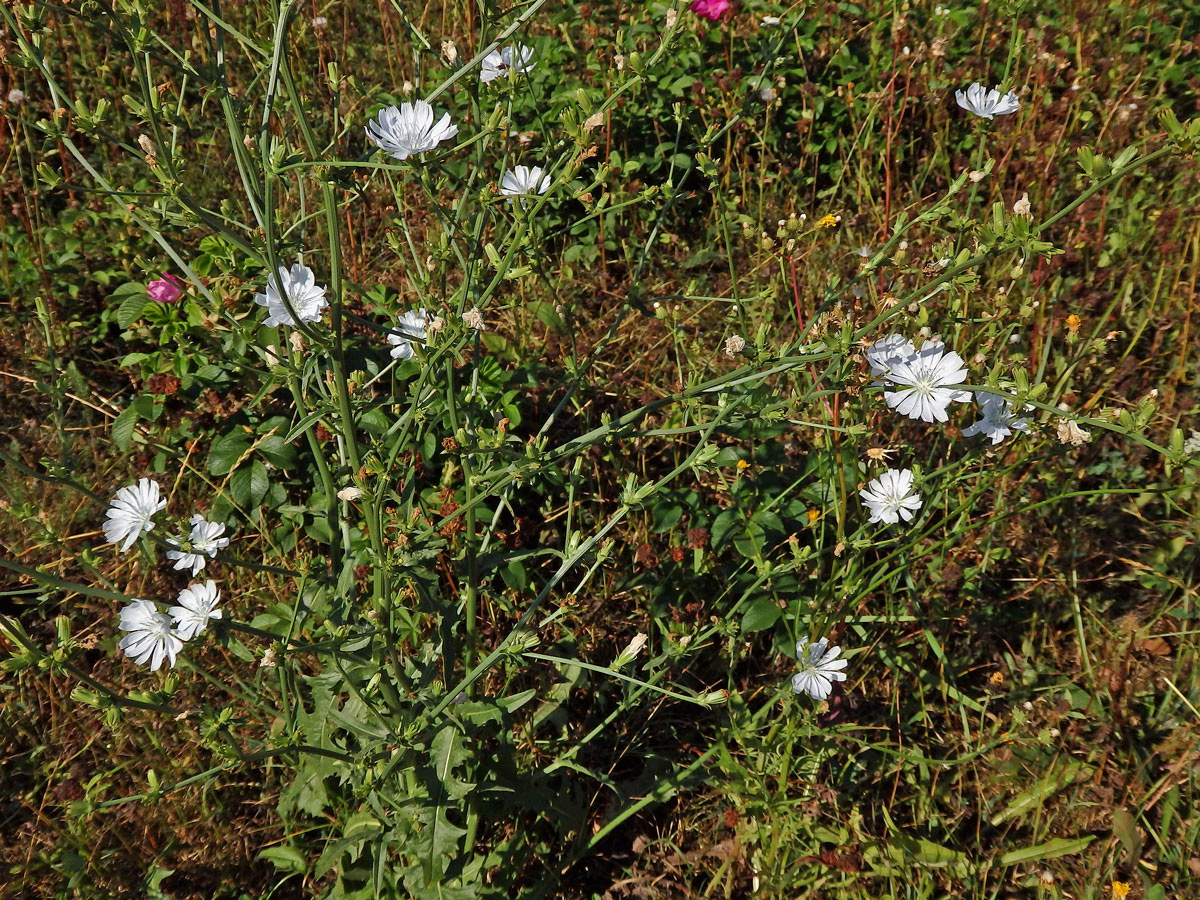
{"x": 630, "y": 653}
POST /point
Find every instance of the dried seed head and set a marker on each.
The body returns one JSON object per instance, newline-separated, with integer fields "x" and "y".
{"x": 1069, "y": 432}
{"x": 473, "y": 318}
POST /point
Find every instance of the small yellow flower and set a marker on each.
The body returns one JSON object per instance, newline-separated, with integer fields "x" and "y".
{"x": 1073, "y": 322}
{"x": 827, "y": 221}
{"x": 813, "y": 514}
{"x": 1120, "y": 890}
{"x": 742, "y": 465}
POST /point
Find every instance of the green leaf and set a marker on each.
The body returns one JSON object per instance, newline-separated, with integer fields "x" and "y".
{"x": 514, "y": 575}
{"x": 361, "y": 828}
{"x": 516, "y": 701}
{"x": 926, "y": 853}
{"x": 123, "y": 426}
{"x": 154, "y": 879}
{"x": 127, "y": 290}
{"x": 749, "y": 544}
{"x": 547, "y": 314}
{"x": 286, "y": 858}
{"x": 438, "y": 841}
{"x": 227, "y": 451}
{"x": 763, "y": 612}
{"x": 726, "y": 522}
{"x": 249, "y": 483}
{"x": 305, "y": 423}
{"x": 239, "y": 486}
{"x": 1049, "y": 850}
{"x": 260, "y": 481}
{"x": 666, "y": 517}
{"x": 275, "y": 451}
{"x": 132, "y": 300}
{"x": 1033, "y": 798}
{"x": 375, "y": 421}
{"x": 1125, "y": 828}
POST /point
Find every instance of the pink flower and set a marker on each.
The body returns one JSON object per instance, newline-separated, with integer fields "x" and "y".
{"x": 166, "y": 290}
{"x": 710, "y": 9}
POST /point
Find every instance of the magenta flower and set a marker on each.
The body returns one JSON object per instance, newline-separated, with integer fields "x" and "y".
{"x": 168, "y": 289}
{"x": 710, "y": 9}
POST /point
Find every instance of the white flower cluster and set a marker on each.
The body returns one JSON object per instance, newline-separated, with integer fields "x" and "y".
{"x": 891, "y": 497}
{"x": 921, "y": 381}
{"x": 524, "y": 180}
{"x": 289, "y": 291}
{"x": 152, "y": 635}
{"x": 924, "y": 389}
{"x": 819, "y": 668}
{"x": 921, "y": 386}
{"x": 1192, "y": 445}
{"x": 984, "y": 103}
{"x": 506, "y": 62}
{"x": 412, "y": 327}
{"x": 409, "y": 129}
{"x": 923, "y": 376}
{"x": 404, "y": 132}
{"x": 205, "y": 540}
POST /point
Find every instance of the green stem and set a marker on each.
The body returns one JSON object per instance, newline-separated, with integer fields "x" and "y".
{"x": 380, "y": 587}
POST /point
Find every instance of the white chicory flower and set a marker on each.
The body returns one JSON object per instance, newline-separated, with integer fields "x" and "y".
{"x": 819, "y": 668}
{"x": 410, "y": 328}
{"x": 299, "y": 285}
{"x": 150, "y": 636}
{"x": 891, "y": 497}
{"x": 506, "y": 61}
{"x": 197, "y": 604}
{"x": 886, "y": 353}
{"x": 524, "y": 180}
{"x": 999, "y": 418}
{"x": 205, "y": 540}
{"x": 131, "y": 511}
{"x": 408, "y": 129}
{"x": 986, "y": 104}
{"x": 924, "y": 377}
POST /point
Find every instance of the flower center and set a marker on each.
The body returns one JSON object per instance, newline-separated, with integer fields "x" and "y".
{"x": 924, "y": 381}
